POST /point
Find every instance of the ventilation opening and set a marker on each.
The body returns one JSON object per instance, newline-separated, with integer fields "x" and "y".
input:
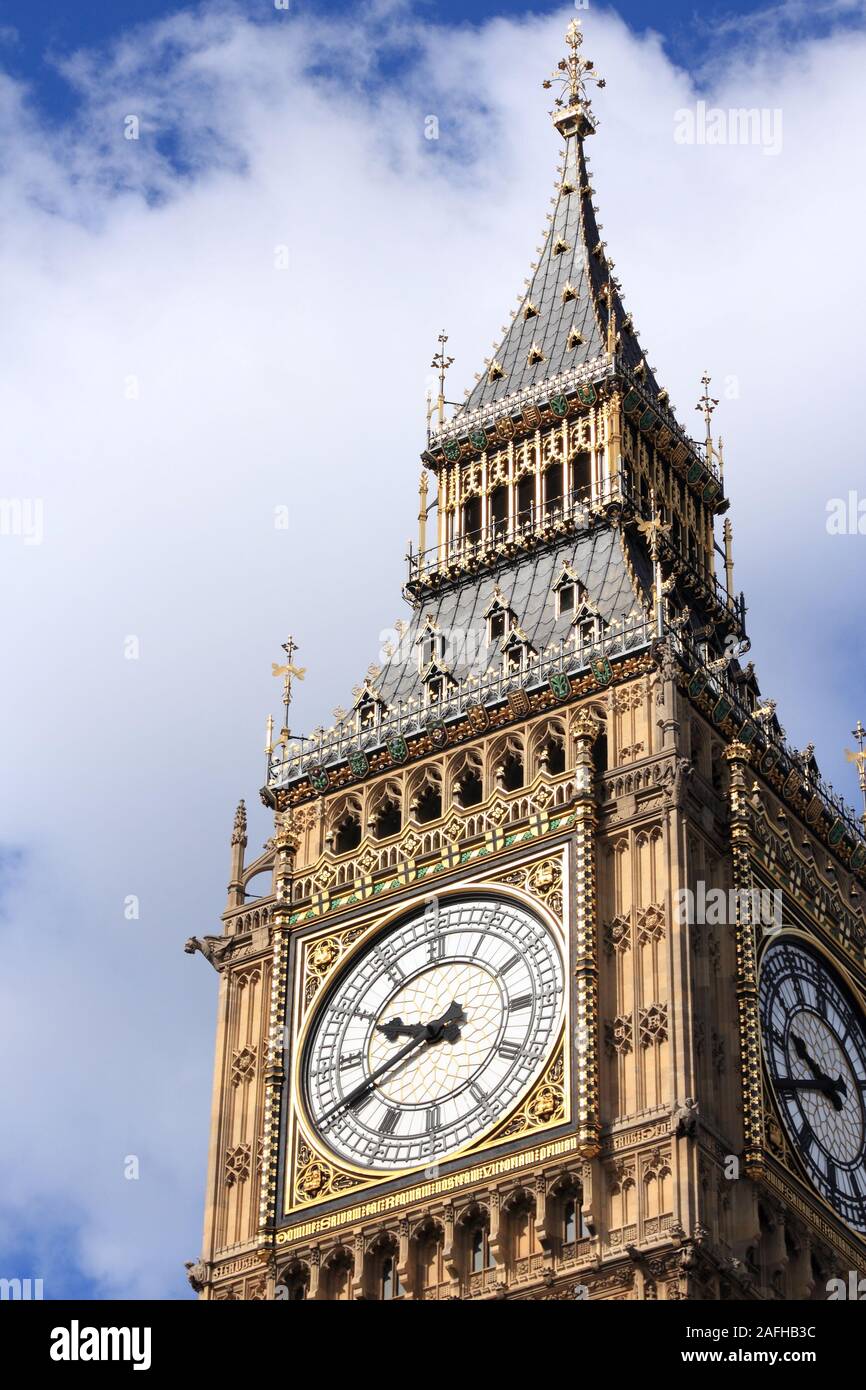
{"x": 428, "y": 806}
{"x": 582, "y": 472}
{"x": 348, "y": 835}
{"x": 599, "y": 754}
{"x": 554, "y": 756}
{"x": 553, "y": 488}
{"x": 388, "y": 821}
{"x": 525, "y": 500}
{"x": 470, "y": 789}
{"x": 472, "y": 518}
{"x": 512, "y": 772}
{"x": 499, "y": 509}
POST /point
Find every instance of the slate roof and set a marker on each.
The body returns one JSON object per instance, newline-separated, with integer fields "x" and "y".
{"x": 598, "y": 561}
{"x": 574, "y": 226}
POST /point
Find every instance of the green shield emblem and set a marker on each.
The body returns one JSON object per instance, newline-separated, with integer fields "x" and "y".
{"x": 559, "y": 405}
{"x": 436, "y": 732}
{"x": 319, "y": 779}
{"x": 696, "y": 471}
{"x": 793, "y": 783}
{"x": 601, "y": 669}
{"x": 478, "y": 439}
{"x": 452, "y": 451}
{"x": 837, "y": 830}
{"x": 359, "y": 764}
{"x": 629, "y": 405}
{"x": 586, "y": 395}
{"x": 748, "y": 733}
{"x": 560, "y": 685}
{"x": 398, "y": 748}
{"x": 722, "y": 709}
{"x": 697, "y": 685}
{"x": 769, "y": 760}
{"x": 858, "y": 858}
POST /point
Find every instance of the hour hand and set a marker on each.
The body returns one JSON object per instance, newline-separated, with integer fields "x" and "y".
{"x": 395, "y": 1028}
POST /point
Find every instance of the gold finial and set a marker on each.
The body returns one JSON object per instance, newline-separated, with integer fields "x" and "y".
{"x": 728, "y": 534}
{"x": 655, "y": 530}
{"x": 441, "y": 363}
{"x": 707, "y": 405}
{"x": 860, "y": 759}
{"x": 573, "y": 75}
{"x": 288, "y": 670}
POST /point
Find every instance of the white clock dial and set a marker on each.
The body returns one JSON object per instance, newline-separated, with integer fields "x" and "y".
{"x": 433, "y": 1033}
{"x": 815, "y": 1048}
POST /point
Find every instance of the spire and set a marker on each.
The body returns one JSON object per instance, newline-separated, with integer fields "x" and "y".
{"x": 571, "y": 313}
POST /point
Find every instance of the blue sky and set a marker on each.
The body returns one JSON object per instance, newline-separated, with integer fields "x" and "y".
{"x": 164, "y": 388}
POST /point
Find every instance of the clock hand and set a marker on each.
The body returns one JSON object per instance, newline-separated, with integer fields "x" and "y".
{"x": 446, "y": 1028}
{"x": 395, "y": 1027}
{"x": 822, "y": 1081}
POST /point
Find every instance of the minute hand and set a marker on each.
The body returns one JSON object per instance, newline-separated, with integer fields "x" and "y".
{"x": 370, "y": 1080}
{"x": 447, "y": 1027}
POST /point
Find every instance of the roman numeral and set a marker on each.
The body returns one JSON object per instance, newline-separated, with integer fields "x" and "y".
{"x": 522, "y": 1002}
{"x": 388, "y": 1123}
{"x": 432, "y": 1119}
{"x": 509, "y": 1050}
{"x": 509, "y": 965}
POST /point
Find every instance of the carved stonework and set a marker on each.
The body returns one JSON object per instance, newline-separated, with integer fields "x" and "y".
{"x": 243, "y": 1065}
{"x": 653, "y": 1025}
{"x": 321, "y": 957}
{"x": 316, "y": 1178}
{"x": 619, "y": 1034}
{"x": 542, "y": 880}
{"x": 545, "y": 1104}
{"x": 237, "y": 1164}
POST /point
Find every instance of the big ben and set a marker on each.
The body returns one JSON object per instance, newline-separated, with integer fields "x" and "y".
{"x": 558, "y": 989}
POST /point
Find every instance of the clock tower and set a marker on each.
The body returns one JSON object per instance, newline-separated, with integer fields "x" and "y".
{"x": 556, "y": 987}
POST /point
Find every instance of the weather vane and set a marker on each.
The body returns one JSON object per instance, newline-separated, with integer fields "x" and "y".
{"x": 574, "y": 72}
{"x": 860, "y": 759}
{"x": 441, "y": 363}
{"x": 287, "y": 671}
{"x": 707, "y": 403}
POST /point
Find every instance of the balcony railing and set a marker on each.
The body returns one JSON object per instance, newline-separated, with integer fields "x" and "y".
{"x": 533, "y": 525}
{"x": 571, "y": 658}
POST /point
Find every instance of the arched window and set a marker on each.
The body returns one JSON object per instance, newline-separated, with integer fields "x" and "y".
{"x": 427, "y": 805}
{"x": 472, "y": 518}
{"x": 526, "y": 500}
{"x": 553, "y": 489}
{"x": 429, "y": 1261}
{"x": 348, "y": 836}
{"x": 293, "y": 1284}
{"x": 480, "y": 1256}
{"x": 389, "y": 1280}
{"x": 581, "y": 472}
{"x": 499, "y": 510}
{"x": 470, "y": 789}
{"x": 337, "y": 1277}
{"x": 388, "y": 819}
{"x": 511, "y": 772}
{"x": 569, "y": 1222}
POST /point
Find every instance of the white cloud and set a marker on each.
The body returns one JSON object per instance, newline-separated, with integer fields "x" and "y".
{"x": 259, "y": 387}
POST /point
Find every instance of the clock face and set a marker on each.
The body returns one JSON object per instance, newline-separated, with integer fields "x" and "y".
{"x": 815, "y": 1048}
{"x": 433, "y": 1033}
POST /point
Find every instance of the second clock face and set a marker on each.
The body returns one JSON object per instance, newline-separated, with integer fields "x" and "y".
{"x": 434, "y": 1033}
{"x": 815, "y": 1047}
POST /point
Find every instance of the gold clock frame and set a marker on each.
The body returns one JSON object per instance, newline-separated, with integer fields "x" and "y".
{"x": 312, "y": 1174}
{"x": 785, "y": 1153}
